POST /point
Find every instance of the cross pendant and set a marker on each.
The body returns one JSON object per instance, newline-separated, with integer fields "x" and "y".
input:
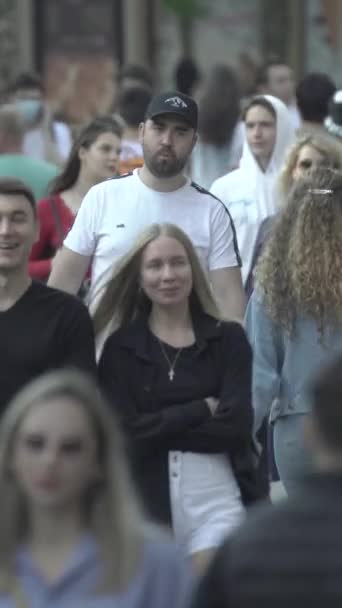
{"x": 171, "y": 375}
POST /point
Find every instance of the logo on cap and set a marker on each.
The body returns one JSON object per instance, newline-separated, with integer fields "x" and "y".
{"x": 176, "y": 102}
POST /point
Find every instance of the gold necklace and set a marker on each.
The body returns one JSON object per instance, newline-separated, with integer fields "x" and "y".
{"x": 171, "y": 373}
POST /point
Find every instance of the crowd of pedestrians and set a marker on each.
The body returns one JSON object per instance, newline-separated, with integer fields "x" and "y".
{"x": 171, "y": 318}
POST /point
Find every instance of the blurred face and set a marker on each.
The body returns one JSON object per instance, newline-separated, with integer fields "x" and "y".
{"x": 18, "y": 232}
{"x": 166, "y": 274}
{"x": 260, "y": 133}
{"x": 308, "y": 160}
{"x": 167, "y": 143}
{"x": 281, "y": 83}
{"x": 101, "y": 159}
{"x": 54, "y": 454}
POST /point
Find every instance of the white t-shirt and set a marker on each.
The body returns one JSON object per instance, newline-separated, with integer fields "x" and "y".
{"x": 116, "y": 211}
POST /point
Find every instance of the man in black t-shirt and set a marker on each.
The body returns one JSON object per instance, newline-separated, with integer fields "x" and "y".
{"x": 40, "y": 328}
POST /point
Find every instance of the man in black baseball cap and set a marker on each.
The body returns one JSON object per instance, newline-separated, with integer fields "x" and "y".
{"x": 158, "y": 192}
{"x": 173, "y": 102}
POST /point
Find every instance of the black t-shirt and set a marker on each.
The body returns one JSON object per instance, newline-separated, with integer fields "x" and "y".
{"x": 45, "y": 329}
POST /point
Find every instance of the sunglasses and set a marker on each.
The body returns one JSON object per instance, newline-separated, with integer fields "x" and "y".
{"x": 307, "y": 164}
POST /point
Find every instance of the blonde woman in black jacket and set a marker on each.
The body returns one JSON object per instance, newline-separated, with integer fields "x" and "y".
{"x": 180, "y": 379}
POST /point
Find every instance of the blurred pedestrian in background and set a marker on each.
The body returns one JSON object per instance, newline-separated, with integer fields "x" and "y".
{"x": 313, "y": 94}
{"x": 71, "y": 531}
{"x": 294, "y": 316}
{"x": 180, "y": 379}
{"x": 187, "y": 76}
{"x": 250, "y": 193}
{"x": 276, "y": 78}
{"x": 289, "y": 554}
{"x": 45, "y": 138}
{"x": 220, "y": 130}
{"x": 132, "y": 106}
{"x": 94, "y": 158}
{"x": 37, "y": 174}
{"x": 133, "y": 75}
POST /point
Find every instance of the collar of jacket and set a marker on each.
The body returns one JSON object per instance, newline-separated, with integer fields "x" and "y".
{"x": 136, "y": 335}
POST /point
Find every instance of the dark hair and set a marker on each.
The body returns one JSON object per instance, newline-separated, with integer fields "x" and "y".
{"x": 326, "y": 395}
{"x": 313, "y": 94}
{"x": 26, "y": 81}
{"x": 88, "y": 135}
{"x": 137, "y": 72}
{"x": 187, "y": 75}
{"x": 132, "y": 105}
{"x": 219, "y": 106}
{"x": 259, "y": 100}
{"x": 12, "y": 187}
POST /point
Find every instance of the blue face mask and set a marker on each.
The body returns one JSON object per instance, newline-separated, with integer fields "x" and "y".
{"x": 30, "y": 110}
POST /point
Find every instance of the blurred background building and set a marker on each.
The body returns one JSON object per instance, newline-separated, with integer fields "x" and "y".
{"x": 78, "y": 46}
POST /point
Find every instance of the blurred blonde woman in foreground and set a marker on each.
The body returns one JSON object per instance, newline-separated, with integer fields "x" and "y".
{"x": 71, "y": 532}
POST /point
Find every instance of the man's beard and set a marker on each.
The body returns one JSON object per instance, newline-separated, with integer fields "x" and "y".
{"x": 163, "y": 167}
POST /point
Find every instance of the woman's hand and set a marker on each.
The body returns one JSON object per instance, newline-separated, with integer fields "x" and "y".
{"x": 212, "y": 404}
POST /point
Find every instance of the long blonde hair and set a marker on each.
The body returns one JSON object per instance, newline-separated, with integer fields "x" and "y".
{"x": 112, "y": 512}
{"x": 324, "y": 144}
{"x": 300, "y": 271}
{"x": 123, "y": 297}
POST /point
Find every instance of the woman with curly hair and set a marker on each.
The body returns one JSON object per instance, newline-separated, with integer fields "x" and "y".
{"x": 294, "y": 317}
{"x": 308, "y": 153}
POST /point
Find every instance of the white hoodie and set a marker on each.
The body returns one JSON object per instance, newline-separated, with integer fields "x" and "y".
{"x": 249, "y": 193}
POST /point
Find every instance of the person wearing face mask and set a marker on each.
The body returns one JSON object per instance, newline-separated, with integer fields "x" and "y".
{"x": 250, "y": 192}
{"x": 45, "y": 138}
{"x": 93, "y": 158}
{"x": 37, "y": 174}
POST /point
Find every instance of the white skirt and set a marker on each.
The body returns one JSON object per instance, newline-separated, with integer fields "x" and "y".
{"x": 205, "y": 499}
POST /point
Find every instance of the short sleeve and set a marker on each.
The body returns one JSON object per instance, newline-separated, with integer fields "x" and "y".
{"x": 83, "y": 235}
{"x": 224, "y": 251}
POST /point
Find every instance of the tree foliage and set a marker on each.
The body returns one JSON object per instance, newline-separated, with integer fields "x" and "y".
{"x": 187, "y": 9}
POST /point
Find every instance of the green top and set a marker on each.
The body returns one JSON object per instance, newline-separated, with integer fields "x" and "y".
{"x": 37, "y": 174}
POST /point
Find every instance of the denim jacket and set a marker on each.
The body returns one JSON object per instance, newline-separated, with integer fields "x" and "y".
{"x": 285, "y": 364}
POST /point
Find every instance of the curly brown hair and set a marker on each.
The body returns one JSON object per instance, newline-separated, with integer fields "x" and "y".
{"x": 300, "y": 271}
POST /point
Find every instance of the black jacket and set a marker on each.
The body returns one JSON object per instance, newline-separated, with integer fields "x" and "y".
{"x": 127, "y": 374}
{"x": 288, "y": 555}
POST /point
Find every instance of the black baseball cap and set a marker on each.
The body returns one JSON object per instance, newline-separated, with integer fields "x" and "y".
{"x": 173, "y": 102}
